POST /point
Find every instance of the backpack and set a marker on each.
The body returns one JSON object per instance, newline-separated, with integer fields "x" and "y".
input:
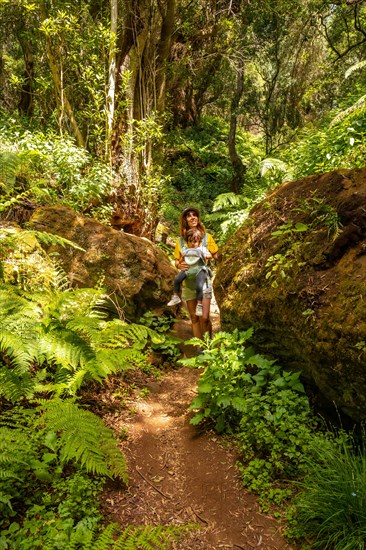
{"x": 195, "y": 260}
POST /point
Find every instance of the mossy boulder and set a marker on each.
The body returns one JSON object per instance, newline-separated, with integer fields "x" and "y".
{"x": 296, "y": 272}
{"x": 136, "y": 273}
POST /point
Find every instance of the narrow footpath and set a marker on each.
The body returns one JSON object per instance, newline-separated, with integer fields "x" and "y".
{"x": 181, "y": 474}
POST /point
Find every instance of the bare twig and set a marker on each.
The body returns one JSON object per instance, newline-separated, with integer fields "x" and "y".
{"x": 151, "y": 484}
{"x": 199, "y": 517}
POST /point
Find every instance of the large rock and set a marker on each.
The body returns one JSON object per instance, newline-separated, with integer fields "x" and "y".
{"x": 303, "y": 287}
{"x": 134, "y": 269}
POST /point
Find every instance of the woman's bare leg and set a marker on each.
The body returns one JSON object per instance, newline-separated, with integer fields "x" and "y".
{"x": 206, "y": 325}
{"x": 196, "y": 325}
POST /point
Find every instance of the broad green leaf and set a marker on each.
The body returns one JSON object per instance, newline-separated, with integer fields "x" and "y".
{"x": 197, "y": 419}
{"x": 204, "y": 387}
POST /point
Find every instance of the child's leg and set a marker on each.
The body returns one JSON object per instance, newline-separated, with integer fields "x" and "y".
{"x": 200, "y": 281}
{"x": 178, "y": 281}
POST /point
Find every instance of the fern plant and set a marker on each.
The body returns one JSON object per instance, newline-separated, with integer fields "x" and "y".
{"x": 13, "y": 164}
{"x": 24, "y": 263}
{"x": 146, "y": 537}
{"x": 229, "y": 212}
{"x": 56, "y": 341}
{"x": 83, "y": 438}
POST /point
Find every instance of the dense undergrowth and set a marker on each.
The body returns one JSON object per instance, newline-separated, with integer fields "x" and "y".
{"x": 56, "y": 455}
{"x": 289, "y": 456}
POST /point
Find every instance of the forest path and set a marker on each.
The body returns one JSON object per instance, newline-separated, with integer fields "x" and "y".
{"x": 180, "y": 474}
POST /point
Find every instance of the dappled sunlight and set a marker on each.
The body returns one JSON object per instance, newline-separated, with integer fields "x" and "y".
{"x": 151, "y": 416}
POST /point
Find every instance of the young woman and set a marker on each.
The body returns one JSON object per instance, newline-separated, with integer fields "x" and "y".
{"x": 189, "y": 219}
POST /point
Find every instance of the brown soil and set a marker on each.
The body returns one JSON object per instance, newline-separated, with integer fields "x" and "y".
{"x": 180, "y": 474}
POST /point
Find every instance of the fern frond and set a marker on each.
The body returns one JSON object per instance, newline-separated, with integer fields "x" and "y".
{"x": 69, "y": 304}
{"x": 105, "y": 540}
{"x": 14, "y": 387}
{"x": 9, "y": 163}
{"x": 225, "y": 201}
{"x": 270, "y": 164}
{"x": 64, "y": 348}
{"x": 51, "y": 239}
{"x": 6, "y": 499}
{"x": 15, "y": 451}
{"x": 355, "y": 67}
{"x": 57, "y": 389}
{"x": 85, "y": 439}
{"x": 14, "y": 305}
{"x": 12, "y": 347}
{"x": 151, "y": 537}
{"x": 88, "y": 327}
{"x": 4, "y": 205}
{"x": 359, "y": 106}
{"x": 119, "y": 359}
{"x": 148, "y": 537}
{"x": 118, "y": 332}
{"x": 61, "y": 279}
{"x": 74, "y": 383}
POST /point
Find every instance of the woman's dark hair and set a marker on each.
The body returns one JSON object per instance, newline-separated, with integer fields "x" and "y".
{"x": 184, "y": 227}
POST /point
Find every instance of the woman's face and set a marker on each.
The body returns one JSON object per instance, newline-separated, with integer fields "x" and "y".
{"x": 192, "y": 219}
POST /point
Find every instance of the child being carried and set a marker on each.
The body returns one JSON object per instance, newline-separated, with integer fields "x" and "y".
{"x": 195, "y": 255}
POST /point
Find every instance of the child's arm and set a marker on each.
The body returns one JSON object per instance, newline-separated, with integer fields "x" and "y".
{"x": 181, "y": 264}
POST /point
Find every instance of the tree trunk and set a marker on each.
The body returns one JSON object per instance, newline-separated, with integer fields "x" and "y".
{"x": 238, "y": 167}
{"x": 61, "y": 97}
{"x": 163, "y": 50}
{"x": 111, "y": 79}
{"x": 25, "y": 104}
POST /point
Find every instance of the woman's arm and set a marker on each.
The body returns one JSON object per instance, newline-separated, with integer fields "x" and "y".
{"x": 179, "y": 259}
{"x": 212, "y": 247}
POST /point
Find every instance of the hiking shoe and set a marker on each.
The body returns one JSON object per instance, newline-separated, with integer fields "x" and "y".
{"x": 175, "y": 300}
{"x": 199, "y": 310}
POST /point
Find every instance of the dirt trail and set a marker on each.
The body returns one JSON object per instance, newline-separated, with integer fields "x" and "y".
{"x": 180, "y": 474}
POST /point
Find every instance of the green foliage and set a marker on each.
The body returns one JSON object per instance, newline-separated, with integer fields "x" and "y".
{"x": 41, "y": 499}
{"x": 341, "y": 145}
{"x": 200, "y": 170}
{"x": 281, "y": 265}
{"x": 12, "y": 165}
{"x": 159, "y": 323}
{"x": 229, "y": 211}
{"x": 168, "y": 345}
{"x": 330, "y": 508}
{"x": 321, "y": 214}
{"x": 265, "y": 407}
{"x": 290, "y": 229}
{"x": 275, "y": 171}
{"x": 52, "y": 169}
{"x": 84, "y": 439}
{"x": 161, "y": 537}
{"x": 23, "y": 261}
{"x": 169, "y": 348}
{"x": 56, "y": 341}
